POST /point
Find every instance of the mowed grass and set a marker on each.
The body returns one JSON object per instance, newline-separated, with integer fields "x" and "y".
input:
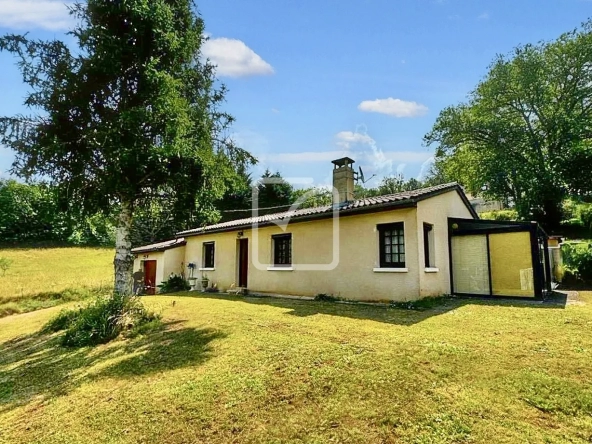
{"x": 44, "y": 277}
{"x": 252, "y": 370}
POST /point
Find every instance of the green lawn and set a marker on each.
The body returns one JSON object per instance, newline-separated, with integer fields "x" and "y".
{"x": 244, "y": 370}
{"x": 44, "y": 277}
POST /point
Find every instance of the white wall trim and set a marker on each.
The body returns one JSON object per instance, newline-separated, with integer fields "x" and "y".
{"x": 390, "y": 270}
{"x": 280, "y": 268}
{"x": 207, "y": 269}
{"x": 431, "y": 270}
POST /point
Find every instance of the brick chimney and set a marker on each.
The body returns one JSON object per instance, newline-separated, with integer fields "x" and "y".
{"x": 343, "y": 179}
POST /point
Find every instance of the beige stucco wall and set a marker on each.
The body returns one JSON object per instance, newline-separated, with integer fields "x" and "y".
{"x": 174, "y": 262}
{"x": 157, "y": 256}
{"x": 436, "y": 211}
{"x": 167, "y": 262}
{"x": 353, "y": 277}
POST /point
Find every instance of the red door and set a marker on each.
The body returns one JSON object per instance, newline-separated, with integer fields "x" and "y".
{"x": 150, "y": 277}
{"x": 243, "y": 262}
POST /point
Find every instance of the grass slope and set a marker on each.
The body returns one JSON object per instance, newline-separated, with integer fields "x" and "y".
{"x": 232, "y": 370}
{"x": 44, "y": 277}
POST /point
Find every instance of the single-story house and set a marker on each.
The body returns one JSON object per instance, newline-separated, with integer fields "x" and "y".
{"x": 397, "y": 247}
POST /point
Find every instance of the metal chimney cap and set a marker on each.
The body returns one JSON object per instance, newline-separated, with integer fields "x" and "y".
{"x": 344, "y": 161}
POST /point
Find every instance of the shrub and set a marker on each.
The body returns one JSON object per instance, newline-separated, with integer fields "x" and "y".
{"x": 62, "y": 321}
{"x": 101, "y": 321}
{"x": 5, "y": 264}
{"x": 584, "y": 213}
{"x": 9, "y": 308}
{"x": 577, "y": 260}
{"x": 577, "y": 218}
{"x": 174, "y": 283}
{"x": 500, "y": 215}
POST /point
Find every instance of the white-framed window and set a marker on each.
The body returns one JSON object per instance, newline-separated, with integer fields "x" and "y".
{"x": 282, "y": 250}
{"x": 208, "y": 255}
{"x": 391, "y": 245}
{"x": 428, "y": 246}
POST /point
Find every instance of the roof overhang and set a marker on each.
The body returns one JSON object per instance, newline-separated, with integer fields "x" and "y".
{"x": 375, "y": 208}
{"x": 163, "y": 246}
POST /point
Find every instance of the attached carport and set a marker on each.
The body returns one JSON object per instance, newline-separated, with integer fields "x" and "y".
{"x": 498, "y": 259}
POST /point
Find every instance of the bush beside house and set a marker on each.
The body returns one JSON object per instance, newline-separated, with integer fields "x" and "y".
{"x": 577, "y": 262}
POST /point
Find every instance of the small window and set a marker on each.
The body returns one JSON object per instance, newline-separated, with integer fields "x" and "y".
{"x": 428, "y": 245}
{"x": 392, "y": 245}
{"x": 208, "y": 254}
{"x": 282, "y": 250}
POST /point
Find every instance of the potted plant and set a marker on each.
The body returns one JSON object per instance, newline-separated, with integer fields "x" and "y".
{"x": 192, "y": 279}
{"x": 205, "y": 281}
{"x": 191, "y": 266}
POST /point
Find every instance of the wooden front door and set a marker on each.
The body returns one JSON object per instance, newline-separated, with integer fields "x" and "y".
{"x": 150, "y": 277}
{"x": 243, "y": 262}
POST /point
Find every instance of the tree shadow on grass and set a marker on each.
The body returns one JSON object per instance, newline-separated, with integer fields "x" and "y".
{"x": 36, "y": 365}
{"x": 411, "y": 314}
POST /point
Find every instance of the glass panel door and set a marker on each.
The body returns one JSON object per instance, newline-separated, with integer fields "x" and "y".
{"x": 470, "y": 268}
{"x": 511, "y": 264}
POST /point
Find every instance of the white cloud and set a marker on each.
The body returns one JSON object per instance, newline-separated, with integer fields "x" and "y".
{"x": 393, "y": 107}
{"x": 483, "y": 16}
{"x": 275, "y": 110}
{"x": 235, "y": 59}
{"x": 30, "y": 14}
{"x": 347, "y": 138}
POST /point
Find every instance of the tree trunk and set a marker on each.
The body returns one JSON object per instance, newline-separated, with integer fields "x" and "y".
{"x": 124, "y": 260}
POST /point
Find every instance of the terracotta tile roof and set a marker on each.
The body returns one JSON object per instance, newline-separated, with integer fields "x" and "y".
{"x": 161, "y": 246}
{"x": 360, "y": 205}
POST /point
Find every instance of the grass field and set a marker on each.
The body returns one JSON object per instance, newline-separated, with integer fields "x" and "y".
{"x": 44, "y": 277}
{"x": 249, "y": 370}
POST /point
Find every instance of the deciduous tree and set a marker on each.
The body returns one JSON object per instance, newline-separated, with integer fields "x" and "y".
{"x": 131, "y": 111}
{"x": 525, "y": 133}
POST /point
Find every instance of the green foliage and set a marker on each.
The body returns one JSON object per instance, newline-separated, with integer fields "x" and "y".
{"x": 525, "y": 128}
{"x": 62, "y": 321}
{"x": 35, "y": 213}
{"x": 31, "y": 213}
{"x": 130, "y": 113}
{"x": 273, "y": 191}
{"x": 390, "y": 185}
{"x": 577, "y": 260}
{"x": 578, "y": 214}
{"x": 312, "y": 197}
{"x": 101, "y": 321}
{"x": 10, "y": 308}
{"x": 174, "y": 283}
{"x": 500, "y": 215}
{"x": 5, "y": 264}
{"x": 94, "y": 230}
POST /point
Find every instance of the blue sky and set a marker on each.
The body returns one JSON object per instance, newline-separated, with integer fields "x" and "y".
{"x": 310, "y": 81}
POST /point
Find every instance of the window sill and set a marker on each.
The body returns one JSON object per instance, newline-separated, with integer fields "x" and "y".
{"x": 207, "y": 269}
{"x": 280, "y": 268}
{"x": 431, "y": 270}
{"x": 390, "y": 270}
